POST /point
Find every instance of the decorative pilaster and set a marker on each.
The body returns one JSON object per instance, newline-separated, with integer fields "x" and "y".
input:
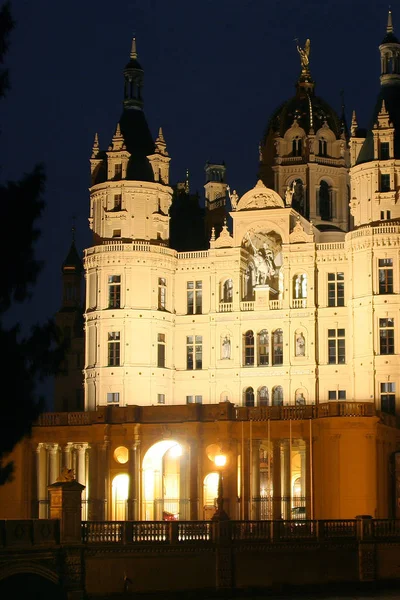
{"x": 276, "y": 480}
{"x": 134, "y": 482}
{"x": 41, "y": 470}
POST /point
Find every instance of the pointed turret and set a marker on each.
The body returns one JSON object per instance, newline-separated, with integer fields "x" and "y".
{"x": 96, "y": 147}
{"x": 161, "y": 146}
{"x": 117, "y": 142}
{"x": 133, "y": 75}
{"x": 390, "y": 55}
{"x": 354, "y": 124}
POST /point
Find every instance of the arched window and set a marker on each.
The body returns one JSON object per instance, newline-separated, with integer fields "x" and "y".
{"x": 298, "y": 197}
{"x": 248, "y": 349}
{"x": 277, "y": 347}
{"x": 263, "y": 348}
{"x": 322, "y": 147}
{"x": 296, "y": 146}
{"x": 299, "y": 397}
{"x": 249, "y": 397}
{"x": 263, "y": 396}
{"x": 300, "y": 286}
{"x": 325, "y": 202}
{"x": 227, "y": 291}
{"x": 277, "y": 396}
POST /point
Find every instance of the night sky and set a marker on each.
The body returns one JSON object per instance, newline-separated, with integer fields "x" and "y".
{"x": 214, "y": 72}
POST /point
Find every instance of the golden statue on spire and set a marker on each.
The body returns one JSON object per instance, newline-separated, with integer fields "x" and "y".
{"x": 304, "y": 55}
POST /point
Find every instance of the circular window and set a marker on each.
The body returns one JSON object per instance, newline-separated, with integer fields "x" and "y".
{"x": 121, "y": 455}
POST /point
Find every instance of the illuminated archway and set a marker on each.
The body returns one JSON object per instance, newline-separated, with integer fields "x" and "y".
{"x": 165, "y": 482}
{"x": 210, "y": 494}
{"x": 120, "y": 493}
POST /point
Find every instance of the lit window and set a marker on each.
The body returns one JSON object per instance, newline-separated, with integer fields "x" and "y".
{"x": 194, "y": 297}
{"x": 113, "y": 349}
{"x": 388, "y": 397}
{"x": 335, "y": 289}
{"x": 113, "y": 398}
{"x": 300, "y": 286}
{"x": 386, "y": 336}
{"x": 277, "y": 347}
{"x": 385, "y": 275}
{"x": 336, "y": 346}
{"x": 162, "y": 293}
{"x": 194, "y": 352}
{"x": 248, "y": 349}
{"x": 161, "y": 350}
{"x": 114, "y": 291}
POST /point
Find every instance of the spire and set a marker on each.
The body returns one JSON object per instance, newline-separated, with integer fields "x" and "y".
{"x": 187, "y": 187}
{"x": 96, "y": 147}
{"x": 354, "y": 124}
{"x": 117, "y": 142}
{"x": 389, "y": 27}
{"x": 161, "y": 146}
{"x": 133, "y": 49}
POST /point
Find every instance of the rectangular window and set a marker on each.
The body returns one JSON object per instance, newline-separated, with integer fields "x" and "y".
{"x": 194, "y": 352}
{"x": 113, "y": 349}
{"x": 194, "y": 297}
{"x": 162, "y": 293}
{"x": 335, "y": 289}
{"x": 161, "y": 350}
{"x": 112, "y": 397}
{"x": 386, "y": 336}
{"x": 385, "y": 274}
{"x": 118, "y": 171}
{"x": 337, "y": 395}
{"x": 194, "y": 399}
{"x": 388, "y": 397}
{"x": 384, "y": 153}
{"x": 160, "y": 398}
{"x": 117, "y": 201}
{"x": 336, "y": 347}
{"x": 385, "y": 182}
{"x": 116, "y": 233}
{"x": 388, "y": 215}
{"x": 114, "y": 291}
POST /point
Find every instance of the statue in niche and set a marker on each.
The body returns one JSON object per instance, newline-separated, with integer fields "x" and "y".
{"x": 300, "y": 345}
{"x": 300, "y": 400}
{"x": 234, "y": 197}
{"x": 289, "y": 194}
{"x": 264, "y": 266}
{"x": 226, "y": 347}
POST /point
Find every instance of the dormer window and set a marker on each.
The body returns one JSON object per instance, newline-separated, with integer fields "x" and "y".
{"x": 322, "y": 147}
{"x": 384, "y": 151}
{"x": 296, "y": 146}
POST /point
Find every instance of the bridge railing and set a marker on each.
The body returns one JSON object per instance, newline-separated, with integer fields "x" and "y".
{"x": 194, "y": 532}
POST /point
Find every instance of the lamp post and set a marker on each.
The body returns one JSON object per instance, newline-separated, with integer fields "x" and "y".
{"x": 220, "y": 514}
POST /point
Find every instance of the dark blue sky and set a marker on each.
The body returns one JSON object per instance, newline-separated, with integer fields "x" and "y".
{"x": 214, "y": 72}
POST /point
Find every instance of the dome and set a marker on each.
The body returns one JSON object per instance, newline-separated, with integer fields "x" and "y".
{"x": 308, "y": 109}
{"x": 260, "y": 197}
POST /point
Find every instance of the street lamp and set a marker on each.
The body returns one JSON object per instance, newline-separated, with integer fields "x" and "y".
{"x": 220, "y": 514}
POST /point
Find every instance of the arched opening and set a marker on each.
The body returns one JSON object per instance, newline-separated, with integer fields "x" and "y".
{"x": 248, "y": 349}
{"x": 325, "y": 201}
{"x": 296, "y": 146}
{"x": 277, "y": 396}
{"x": 249, "y": 397}
{"x": 277, "y": 347}
{"x": 32, "y": 586}
{"x": 300, "y": 286}
{"x": 227, "y": 291}
{"x": 210, "y": 493}
{"x": 120, "y": 494}
{"x": 298, "y": 200}
{"x": 263, "y": 396}
{"x": 166, "y": 482}
{"x": 263, "y": 348}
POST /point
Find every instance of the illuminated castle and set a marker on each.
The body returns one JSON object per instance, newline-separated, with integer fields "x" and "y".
{"x": 276, "y": 346}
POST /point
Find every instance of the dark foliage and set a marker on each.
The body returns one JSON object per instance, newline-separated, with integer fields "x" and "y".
{"x": 25, "y": 360}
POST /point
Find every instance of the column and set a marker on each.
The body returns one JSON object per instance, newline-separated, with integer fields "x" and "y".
{"x": 93, "y": 502}
{"x": 81, "y": 475}
{"x": 67, "y": 458}
{"x": 134, "y": 482}
{"x": 286, "y": 480}
{"x": 54, "y": 461}
{"x": 41, "y": 469}
{"x": 104, "y": 478}
{"x": 194, "y": 481}
{"x": 276, "y": 480}
{"x": 255, "y": 486}
{"x": 184, "y": 485}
